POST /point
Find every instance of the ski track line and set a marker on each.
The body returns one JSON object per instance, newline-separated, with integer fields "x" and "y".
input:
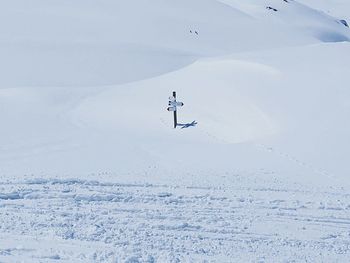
{"x": 169, "y": 223}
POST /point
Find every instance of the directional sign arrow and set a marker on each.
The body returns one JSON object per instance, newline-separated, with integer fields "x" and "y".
{"x": 175, "y": 104}
{"x": 171, "y": 109}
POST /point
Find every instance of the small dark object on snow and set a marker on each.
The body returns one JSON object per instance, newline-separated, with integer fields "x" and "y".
{"x": 286, "y": 1}
{"x": 196, "y": 32}
{"x": 271, "y": 8}
{"x": 343, "y": 21}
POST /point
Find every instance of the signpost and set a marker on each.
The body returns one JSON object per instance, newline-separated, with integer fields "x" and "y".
{"x": 173, "y": 104}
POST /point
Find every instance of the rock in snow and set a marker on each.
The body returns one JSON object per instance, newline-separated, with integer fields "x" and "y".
{"x": 344, "y": 22}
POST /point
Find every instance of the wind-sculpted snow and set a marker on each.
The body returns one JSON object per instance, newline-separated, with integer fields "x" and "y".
{"x": 242, "y": 219}
{"x": 88, "y": 44}
{"x": 337, "y": 8}
{"x": 92, "y": 170}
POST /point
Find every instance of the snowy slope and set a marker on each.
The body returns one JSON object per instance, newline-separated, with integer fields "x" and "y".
{"x": 336, "y": 8}
{"x": 92, "y": 171}
{"x": 57, "y": 122}
{"x": 82, "y": 44}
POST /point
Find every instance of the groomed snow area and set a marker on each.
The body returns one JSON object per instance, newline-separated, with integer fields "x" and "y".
{"x": 91, "y": 169}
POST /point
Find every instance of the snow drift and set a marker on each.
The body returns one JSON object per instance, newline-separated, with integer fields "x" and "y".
{"x": 83, "y": 95}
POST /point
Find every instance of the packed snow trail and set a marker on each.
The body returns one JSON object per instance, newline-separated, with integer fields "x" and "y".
{"x": 244, "y": 218}
{"x": 59, "y": 117}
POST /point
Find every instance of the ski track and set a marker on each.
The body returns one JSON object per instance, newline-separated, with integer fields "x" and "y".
{"x": 243, "y": 220}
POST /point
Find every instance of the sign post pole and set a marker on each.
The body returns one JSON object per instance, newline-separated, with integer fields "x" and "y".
{"x": 175, "y": 112}
{"x": 173, "y": 104}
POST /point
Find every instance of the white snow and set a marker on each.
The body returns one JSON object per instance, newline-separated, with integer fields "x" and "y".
{"x": 336, "y": 8}
{"x": 92, "y": 170}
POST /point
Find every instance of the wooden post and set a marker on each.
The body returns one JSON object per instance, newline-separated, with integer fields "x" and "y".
{"x": 175, "y": 113}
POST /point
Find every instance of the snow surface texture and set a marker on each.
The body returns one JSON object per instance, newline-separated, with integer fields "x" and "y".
{"x": 92, "y": 171}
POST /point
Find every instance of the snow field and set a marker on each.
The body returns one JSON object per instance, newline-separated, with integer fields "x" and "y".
{"x": 242, "y": 219}
{"x": 263, "y": 177}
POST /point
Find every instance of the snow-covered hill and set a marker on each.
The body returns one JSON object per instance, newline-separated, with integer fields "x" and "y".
{"x": 61, "y": 43}
{"x": 336, "y": 8}
{"x": 89, "y": 159}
